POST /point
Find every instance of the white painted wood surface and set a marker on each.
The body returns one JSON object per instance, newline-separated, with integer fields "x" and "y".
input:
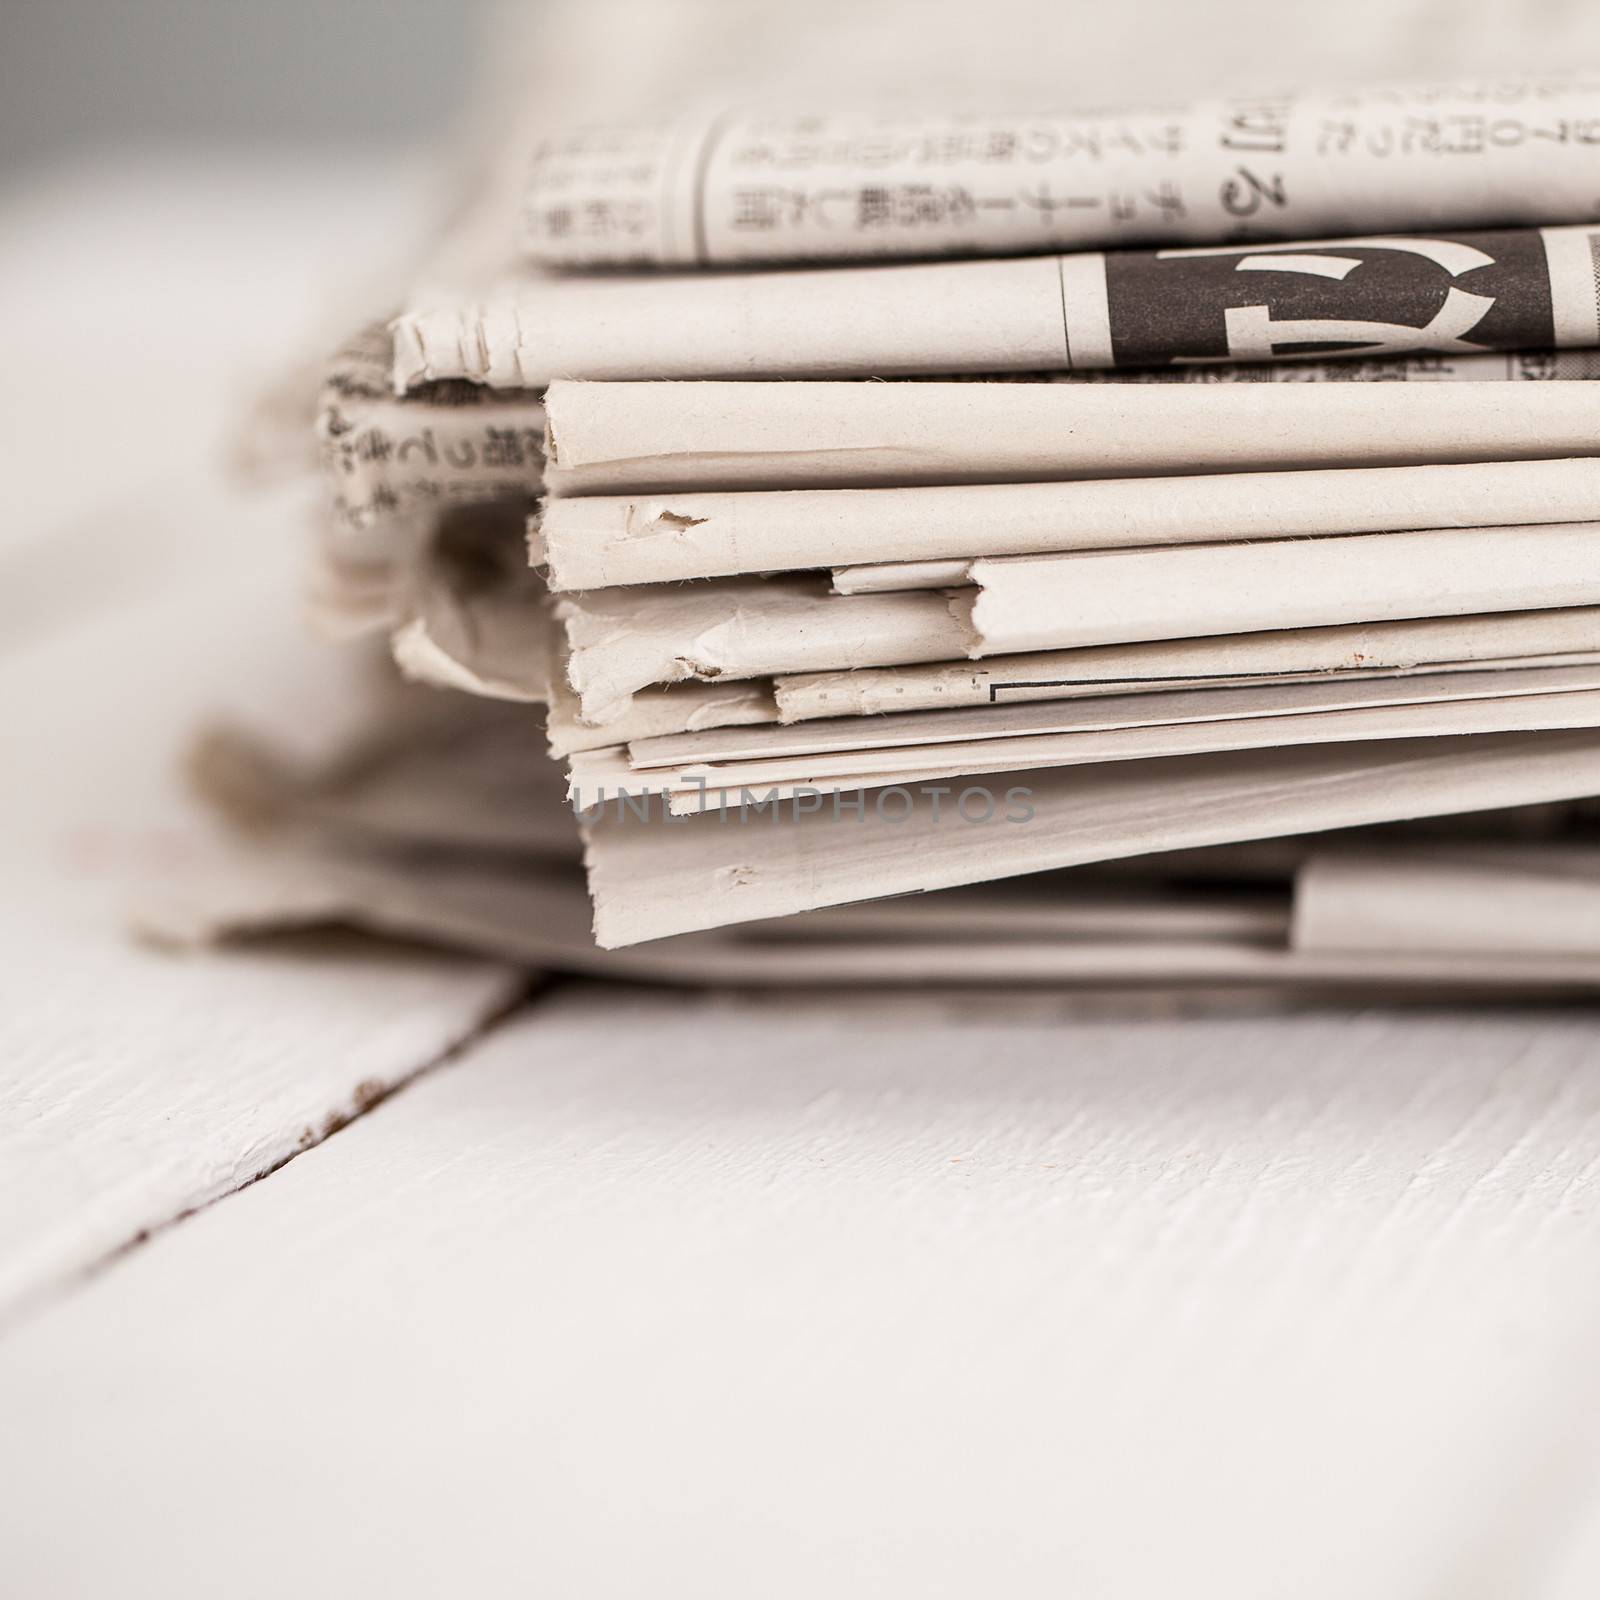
{"x": 692, "y": 1297}
{"x": 137, "y": 591}
{"x": 662, "y": 1296}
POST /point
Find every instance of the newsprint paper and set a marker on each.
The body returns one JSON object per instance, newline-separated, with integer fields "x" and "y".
{"x": 1368, "y": 296}
{"x": 615, "y": 438}
{"x": 802, "y": 184}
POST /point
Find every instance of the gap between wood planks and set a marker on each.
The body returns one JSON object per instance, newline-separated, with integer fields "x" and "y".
{"x": 368, "y": 1096}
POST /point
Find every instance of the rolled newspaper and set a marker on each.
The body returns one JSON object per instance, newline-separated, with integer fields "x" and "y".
{"x": 1368, "y": 296}
{"x": 764, "y": 186}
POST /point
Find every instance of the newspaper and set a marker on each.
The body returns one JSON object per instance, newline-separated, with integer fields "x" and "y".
{"x": 486, "y": 635}
{"x": 865, "y": 791}
{"x": 775, "y": 185}
{"x": 1140, "y": 903}
{"x": 1371, "y": 296}
{"x": 825, "y": 780}
{"x": 395, "y": 469}
{"x": 620, "y": 641}
{"x": 1241, "y": 389}
{"x": 873, "y": 737}
{"x": 1546, "y": 901}
{"x": 678, "y": 708}
{"x": 656, "y": 438}
{"x": 542, "y": 922}
{"x": 606, "y": 540}
{"x": 454, "y": 444}
{"x": 889, "y": 577}
{"x": 427, "y": 772}
{"x": 490, "y": 633}
{"x": 464, "y": 609}
{"x": 650, "y": 880}
{"x": 1118, "y": 596}
{"x": 433, "y": 819}
{"x": 1430, "y": 643}
{"x": 440, "y": 826}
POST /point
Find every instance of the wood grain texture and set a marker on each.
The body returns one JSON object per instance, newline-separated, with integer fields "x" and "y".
{"x": 654, "y": 1296}
{"x": 663, "y": 1298}
{"x": 135, "y": 1086}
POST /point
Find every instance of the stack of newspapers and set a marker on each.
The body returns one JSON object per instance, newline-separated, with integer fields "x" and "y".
{"x": 1134, "y": 546}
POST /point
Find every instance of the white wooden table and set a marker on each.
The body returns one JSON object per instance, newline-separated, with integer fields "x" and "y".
{"x": 627, "y": 1293}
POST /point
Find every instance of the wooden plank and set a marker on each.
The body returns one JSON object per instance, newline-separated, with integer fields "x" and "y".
{"x": 141, "y": 590}
{"x": 136, "y": 1084}
{"x": 653, "y": 1295}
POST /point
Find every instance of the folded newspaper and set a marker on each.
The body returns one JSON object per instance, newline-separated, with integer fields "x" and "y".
{"x": 1148, "y": 548}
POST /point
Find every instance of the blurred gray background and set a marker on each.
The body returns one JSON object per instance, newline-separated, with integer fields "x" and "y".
{"x": 78, "y": 75}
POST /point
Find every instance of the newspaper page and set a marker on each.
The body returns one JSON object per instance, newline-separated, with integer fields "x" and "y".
{"x": 489, "y": 638}
{"x": 621, "y": 641}
{"x": 886, "y": 577}
{"x": 1118, "y": 596}
{"x": 649, "y": 880}
{"x": 753, "y": 786}
{"x": 394, "y": 470}
{"x": 803, "y": 184}
{"x": 1368, "y": 296}
{"x": 871, "y": 737}
{"x": 1559, "y": 636}
{"x": 541, "y": 919}
{"x": 1546, "y": 901}
{"x": 386, "y": 459}
{"x": 653, "y": 438}
{"x": 605, "y": 540}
